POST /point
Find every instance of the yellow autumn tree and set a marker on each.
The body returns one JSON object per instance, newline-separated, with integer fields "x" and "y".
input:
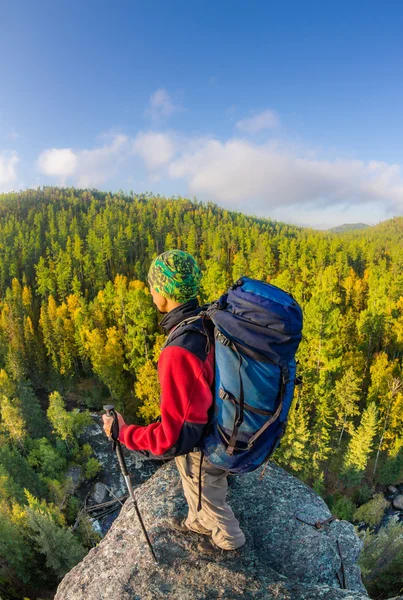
{"x": 147, "y": 386}
{"x": 12, "y": 420}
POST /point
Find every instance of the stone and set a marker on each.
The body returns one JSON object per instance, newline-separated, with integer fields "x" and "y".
{"x": 285, "y": 557}
{"x": 100, "y": 493}
{"x": 398, "y": 502}
{"x": 75, "y": 474}
{"x": 392, "y": 489}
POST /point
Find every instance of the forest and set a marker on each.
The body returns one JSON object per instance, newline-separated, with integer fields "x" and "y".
{"x": 78, "y": 329}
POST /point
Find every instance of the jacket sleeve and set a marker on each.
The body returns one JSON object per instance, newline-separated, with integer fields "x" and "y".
{"x": 181, "y": 375}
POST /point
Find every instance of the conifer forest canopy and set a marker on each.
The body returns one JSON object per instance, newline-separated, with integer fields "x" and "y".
{"x": 78, "y": 329}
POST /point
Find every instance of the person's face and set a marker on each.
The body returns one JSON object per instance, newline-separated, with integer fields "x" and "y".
{"x": 159, "y": 301}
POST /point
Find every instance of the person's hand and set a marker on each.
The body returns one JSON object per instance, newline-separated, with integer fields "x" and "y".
{"x": 108, "y": 423}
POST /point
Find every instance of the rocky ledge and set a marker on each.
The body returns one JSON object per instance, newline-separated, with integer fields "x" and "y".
{"x": 286, "y": 557}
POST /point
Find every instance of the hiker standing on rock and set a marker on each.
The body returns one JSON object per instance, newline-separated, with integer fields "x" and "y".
{"x": 186, "y": 375}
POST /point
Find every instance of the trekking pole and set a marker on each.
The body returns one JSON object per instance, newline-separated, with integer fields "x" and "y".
{"x": 111, "y": 412}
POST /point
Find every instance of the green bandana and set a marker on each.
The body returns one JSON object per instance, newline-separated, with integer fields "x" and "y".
{"x": 175, "y": 275}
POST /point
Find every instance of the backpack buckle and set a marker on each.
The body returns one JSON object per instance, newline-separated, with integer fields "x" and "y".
{"x": 237, "y": 283}
{"x": 223, "y": 394}
{"x": 222, "y": 338}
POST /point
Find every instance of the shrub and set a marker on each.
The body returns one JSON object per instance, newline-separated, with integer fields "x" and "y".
{"x": 372, "y": 512}
{"x": 362, "y": 494}
{"x": 391, "y": 471}
{"x": 381, "y": 561}
{"x": 92, "y": 467}
{"x": 342, "y": 508}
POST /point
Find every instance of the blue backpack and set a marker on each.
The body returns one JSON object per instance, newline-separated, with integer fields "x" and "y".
{"x": 257, "y": 330}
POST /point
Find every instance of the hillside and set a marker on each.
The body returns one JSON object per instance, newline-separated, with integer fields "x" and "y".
{"x": 348, "y": 227}
{"x": 78, "y": 329}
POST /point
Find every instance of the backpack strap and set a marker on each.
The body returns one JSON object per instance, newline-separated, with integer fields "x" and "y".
{"x": 189, "y": 324}
{"x": 239, "y": 406}
{"x": 284, "y": 381}
{"x": 224, "y": 395}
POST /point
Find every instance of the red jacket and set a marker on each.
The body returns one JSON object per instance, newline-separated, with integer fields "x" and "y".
{"x": 186, "y": 375}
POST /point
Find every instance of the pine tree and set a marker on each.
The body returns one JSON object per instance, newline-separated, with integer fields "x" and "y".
{"x": 59, "y": 417}
{"x": 18, "y": 565}
{"x": 61, "y": 549}
{"x": 46, "y": 458}
{"x": 293, "y": 451}
{"x": 346, "y": 396}
{"x": 215, "y": 281}
{"x": 66, "y": 425}
{"x": 321, "y": 430}
{"x": 12, "y": 420}
{"x": 360, "y": 445}
{"x": 395, "y": 384}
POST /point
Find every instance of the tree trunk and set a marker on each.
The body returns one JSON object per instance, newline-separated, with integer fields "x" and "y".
{"x": 382, "y": 436}
{"x": 342, "y": 430}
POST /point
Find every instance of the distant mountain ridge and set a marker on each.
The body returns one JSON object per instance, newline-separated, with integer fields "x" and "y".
{"x": 348, "y": 227}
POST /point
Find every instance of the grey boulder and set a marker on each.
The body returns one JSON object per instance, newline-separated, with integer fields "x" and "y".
{"x": 398, "y": 502}
{"x": 286, "y": 556}
{"x": 100, "y": 493}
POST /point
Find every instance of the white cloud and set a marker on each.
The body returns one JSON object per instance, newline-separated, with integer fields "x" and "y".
{"x": 156, "y": 149}
{"x": 58, "y": 162}
{"x": 98, "y": 165}
{"x": 86, "y": 168}
{"x": 261, "y": 177}
{"x": 286, "y": 181}
{"x": 162, "y": 105}
{"x": 267, "y": 119}
{"x": 8, "y": 172}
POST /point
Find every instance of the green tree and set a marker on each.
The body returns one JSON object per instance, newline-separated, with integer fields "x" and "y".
{"x": 381, "y": 561}
{"x": 215, "y": 281}
{"x": 346, "y": 398}
{"x": 293, "y": 452}
{"x": 360, "y": 444}
{"x": 61, "y": 549}
{"x": 107, "y": 357}
{"x": 66, "y": 425}
{"x": 13, "y": 421}
{"x": 17, "y": 558}
{"x": 372, "y": 512}
{"x": 44, "y": 457}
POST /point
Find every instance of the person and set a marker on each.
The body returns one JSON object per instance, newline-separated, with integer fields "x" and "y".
{"x": 186, "y": 375}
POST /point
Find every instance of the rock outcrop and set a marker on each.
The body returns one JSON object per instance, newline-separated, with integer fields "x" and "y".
{"x": 286, "y": 557}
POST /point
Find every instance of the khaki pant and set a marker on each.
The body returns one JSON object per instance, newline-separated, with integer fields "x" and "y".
{"x": 215, "y": 515}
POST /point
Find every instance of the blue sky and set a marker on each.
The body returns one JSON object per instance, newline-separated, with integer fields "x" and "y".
{"x": 291, "y": 110}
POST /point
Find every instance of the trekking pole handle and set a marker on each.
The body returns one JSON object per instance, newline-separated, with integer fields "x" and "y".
{"x": 111, "y": 412}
